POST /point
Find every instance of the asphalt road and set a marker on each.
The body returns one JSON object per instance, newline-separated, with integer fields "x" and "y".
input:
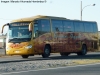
{"x": 90, "y": 55}
{"x": 72, "y": 70}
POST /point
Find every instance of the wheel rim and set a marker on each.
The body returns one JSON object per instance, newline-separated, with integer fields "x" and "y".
{"x": 47, "y": 51}
{"x": 84, "y": 50}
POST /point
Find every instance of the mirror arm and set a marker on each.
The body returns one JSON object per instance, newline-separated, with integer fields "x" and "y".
{"x": 3, "y": 27}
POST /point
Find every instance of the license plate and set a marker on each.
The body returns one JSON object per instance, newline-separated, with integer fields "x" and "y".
{"x": 17, "y": 51}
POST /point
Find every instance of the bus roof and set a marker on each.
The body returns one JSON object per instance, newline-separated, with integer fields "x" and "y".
{"x": 29, "y": 19}
{"x": 36, "y": 17}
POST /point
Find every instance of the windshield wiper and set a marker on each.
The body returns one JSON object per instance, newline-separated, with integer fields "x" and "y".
{"x": 19, "y": 39}
{"x": 13, "y": 39}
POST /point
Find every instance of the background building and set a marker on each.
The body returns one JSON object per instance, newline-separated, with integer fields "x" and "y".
{"x": 2, "y": 41}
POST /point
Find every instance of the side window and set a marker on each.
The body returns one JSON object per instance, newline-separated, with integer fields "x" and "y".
{"x": 90, "y": 27}
{"x": 57, "y": 25}
{"x": 36, "y": 30}
{"x": 95, "y": 29}
{"x": 86, "y": 25}
{"x": 79, "y": 27}
{"x": 45, "y": 25}
{"x": 68, "y": 26}
{"x": 41, "y": 26}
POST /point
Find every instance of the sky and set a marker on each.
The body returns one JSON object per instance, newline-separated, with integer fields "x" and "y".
{"x": 70, "y": 9}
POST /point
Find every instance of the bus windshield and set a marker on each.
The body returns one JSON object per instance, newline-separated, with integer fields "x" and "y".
{"x": 19, "y": 32}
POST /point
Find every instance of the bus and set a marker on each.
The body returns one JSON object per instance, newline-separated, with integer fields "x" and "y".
{"x": 99, "y": 39}
{"x": 43, "y": 35}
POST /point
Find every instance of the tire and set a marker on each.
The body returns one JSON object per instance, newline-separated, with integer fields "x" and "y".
{"x": 83, "y": 51}
{"x": 62, "y": 54}
{"x": 25, "y": 56}
{"x": 46, "y": 53}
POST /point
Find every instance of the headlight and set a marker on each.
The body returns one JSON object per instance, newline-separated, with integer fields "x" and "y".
{"x": 28, "y": 47}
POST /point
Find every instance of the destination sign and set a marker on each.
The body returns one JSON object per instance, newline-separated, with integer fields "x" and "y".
{"x": 19, "y": 24}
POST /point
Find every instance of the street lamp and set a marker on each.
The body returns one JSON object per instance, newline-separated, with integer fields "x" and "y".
{"x": 84, "y": 7}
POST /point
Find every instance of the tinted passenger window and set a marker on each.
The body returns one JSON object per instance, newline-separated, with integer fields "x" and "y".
{"x": 91, "y": 27}
{"x": 36, "y": 30}
{"x": 68, "y": 26}
{"x": 86, "y": 25}
{"x": 57, "y": 25}
{"x": 79, "y": 27}
{"x": 45, "y": 25}
{"x": 95, "y": 29}
{"x": 42, "y": 27}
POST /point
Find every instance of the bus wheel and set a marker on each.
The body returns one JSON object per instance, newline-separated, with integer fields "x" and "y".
{"x": 83, "y": 51}
{"x": 62, "y": 54}
{"x": 46, "y": 52}
{"x": 25, "y": 56}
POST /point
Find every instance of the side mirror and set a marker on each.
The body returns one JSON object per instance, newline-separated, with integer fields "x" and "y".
{"x": 31, "y": 26}
{"x": 3, "y": 27}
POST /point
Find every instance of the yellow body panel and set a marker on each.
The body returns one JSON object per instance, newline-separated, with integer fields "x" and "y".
{"x": 19, "y": 49}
